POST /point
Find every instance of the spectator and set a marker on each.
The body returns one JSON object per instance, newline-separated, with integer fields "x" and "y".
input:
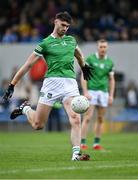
{"x": 35, "y": 36}
{"x": 87, "y": 34}
{"x": 24, "y": 29}
{"x": 131, "y": 95}
{"x": 116, "y": 20}
{"x": 9, "y": 36}
{"x": 40, "y": 26}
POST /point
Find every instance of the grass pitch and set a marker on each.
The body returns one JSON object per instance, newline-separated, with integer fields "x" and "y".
{"x": 48, "y": 156}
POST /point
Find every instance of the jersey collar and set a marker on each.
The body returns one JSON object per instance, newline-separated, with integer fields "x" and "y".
{"x": 54, "y": 36}
{"x": 97, "y": 56}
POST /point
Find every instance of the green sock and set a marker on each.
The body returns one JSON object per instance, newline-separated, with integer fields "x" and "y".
{"x": 96, "y": 140}
{"x": 83, "y": 141}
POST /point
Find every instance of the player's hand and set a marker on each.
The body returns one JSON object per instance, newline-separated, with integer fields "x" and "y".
{"x": 87, "y": 95}
{"x": 110, "y": 100}
{"x": 9, "y": 92}
{"x": 87, "y": 72}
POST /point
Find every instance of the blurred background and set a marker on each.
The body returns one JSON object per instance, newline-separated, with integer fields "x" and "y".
{"x": 23, "y": 24}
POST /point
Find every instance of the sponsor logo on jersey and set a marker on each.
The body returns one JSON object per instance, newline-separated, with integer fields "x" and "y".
{"x": 95, "y": 64}
{"x": 64, "y": 43}
{"x": 102, "y": 66}
{"x": 49, "y": 95}
{"x": 54, "y": 45}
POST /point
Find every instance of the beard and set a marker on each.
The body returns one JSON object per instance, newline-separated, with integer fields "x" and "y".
{"x": 61, "y": 33}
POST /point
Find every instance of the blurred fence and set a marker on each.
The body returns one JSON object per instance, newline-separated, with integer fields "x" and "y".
{"x": 117, "y": 119}
{"x": 124, "y": 56}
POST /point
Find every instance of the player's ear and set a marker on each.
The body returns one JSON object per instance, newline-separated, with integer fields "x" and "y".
{"x": 55, "y": 21}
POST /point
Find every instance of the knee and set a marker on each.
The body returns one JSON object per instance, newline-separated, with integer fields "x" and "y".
{"x": 76, "y": 120}
{"x": 86, "y": 118}
{"x": 38, "y": 126}
{"x": 100, "y": 119}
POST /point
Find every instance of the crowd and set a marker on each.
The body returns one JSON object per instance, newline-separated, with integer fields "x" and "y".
{"x": 30, "y": 21}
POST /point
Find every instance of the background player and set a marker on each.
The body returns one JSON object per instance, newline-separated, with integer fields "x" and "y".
{"x": 99, "y": 90}
{"x": 58, "y": 51}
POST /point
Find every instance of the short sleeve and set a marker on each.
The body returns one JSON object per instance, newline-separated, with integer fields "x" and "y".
{"x": 40, "y": 48}
{"x": 75, "y": 42}
{"x": 112, "y": 70}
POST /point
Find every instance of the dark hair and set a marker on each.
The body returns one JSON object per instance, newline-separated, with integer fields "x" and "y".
{"x": 102, "y": 41}
{"x": 64, "y": 16}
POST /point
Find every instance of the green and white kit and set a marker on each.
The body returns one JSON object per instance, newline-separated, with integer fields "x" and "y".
{"x": 60, "y": 78}
{"x": 98, "y": 86}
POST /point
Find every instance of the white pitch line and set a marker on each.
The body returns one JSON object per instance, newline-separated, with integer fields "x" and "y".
{"x": 15, "y": 171}
{"x": 40, "y": 170}
{"x": 118, "y": 166}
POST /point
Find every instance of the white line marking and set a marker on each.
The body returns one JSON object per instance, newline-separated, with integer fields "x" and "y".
{"x": 15, "y": 171}
{"x": 118, "y": 166}
{"x": 39, "y": 170}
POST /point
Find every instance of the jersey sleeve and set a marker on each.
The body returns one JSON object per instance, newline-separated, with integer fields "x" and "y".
{"x": 112, "y": 69}
{"x": 76, "y": 44}
{"x": 40, "y": 48}
{"x": 89, "y": 60}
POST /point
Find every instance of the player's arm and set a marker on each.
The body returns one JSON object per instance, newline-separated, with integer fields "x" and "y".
{"x": 111, "y": 87}
{"x": 79, "y": 56}
{"x": 84, "y": 67}
{"x": 32, "y": 59}
{"x": 84, "y": 87}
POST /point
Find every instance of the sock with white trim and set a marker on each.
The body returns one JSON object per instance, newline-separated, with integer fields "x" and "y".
{"x": 76, "y": 149}
{"x": 26, "y": 109}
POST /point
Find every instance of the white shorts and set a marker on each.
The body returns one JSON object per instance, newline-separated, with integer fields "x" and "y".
{"x": 99, "y": 98}
{"x": 58, "y": 89}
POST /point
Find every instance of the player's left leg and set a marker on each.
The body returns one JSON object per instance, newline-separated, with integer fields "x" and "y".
{"x": 75, "y": 121}
{"x": 71, "y": 90}
{"x": 98, "y": 128}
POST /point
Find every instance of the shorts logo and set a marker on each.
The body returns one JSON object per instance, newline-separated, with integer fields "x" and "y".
{"x": 49, "y": 95}
{"x": 42, "y": 94}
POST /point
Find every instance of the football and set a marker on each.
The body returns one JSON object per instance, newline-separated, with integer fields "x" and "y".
{"x": 80, "y": 104}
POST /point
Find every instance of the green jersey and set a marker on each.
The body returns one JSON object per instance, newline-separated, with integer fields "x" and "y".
{"x": 59, "y": 55}
{"x": 102, "y": 69}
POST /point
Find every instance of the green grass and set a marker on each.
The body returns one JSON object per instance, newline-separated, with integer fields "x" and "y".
{"x": 48, "y": 156}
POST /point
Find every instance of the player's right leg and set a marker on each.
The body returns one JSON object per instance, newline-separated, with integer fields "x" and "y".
{"x": 49, "y": 94}
{"x": 36, "y": 118}
{"x": 85, "y": 124}
{"x": 98, "y": 128}
{"x": 101, "y": 110}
